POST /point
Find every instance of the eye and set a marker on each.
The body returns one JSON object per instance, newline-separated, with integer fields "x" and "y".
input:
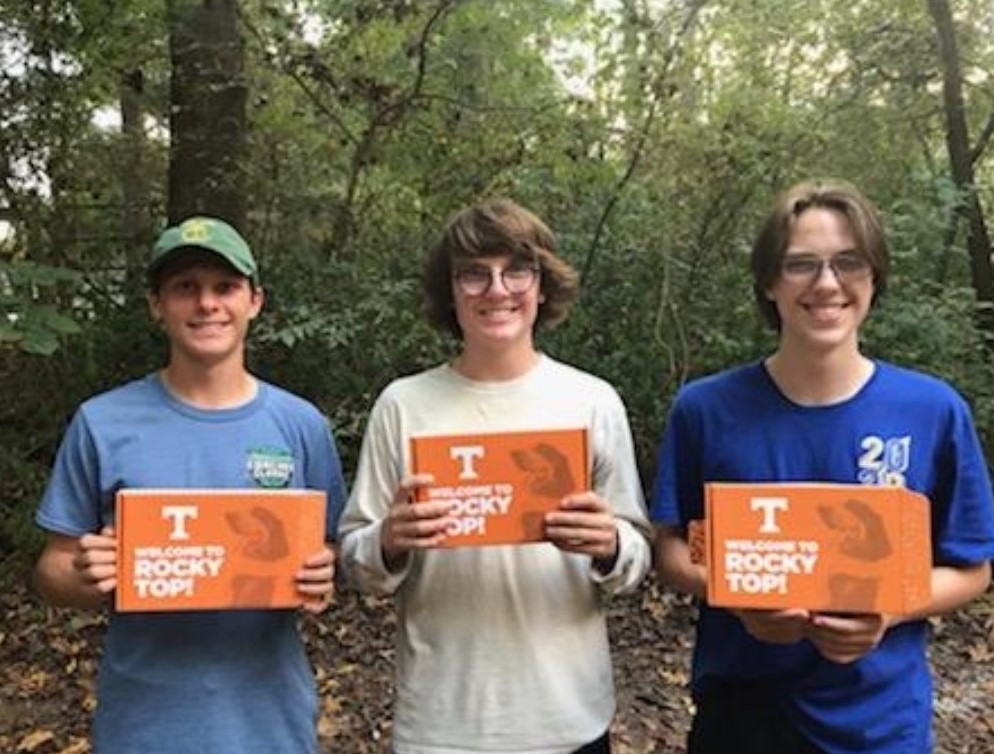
{"x": 518, "y": 273}
{"x": 474, "y": 274}
{"x": 800, "y": 265}
{"x": 850, "y": 263}
{"x": 181, "y": 285}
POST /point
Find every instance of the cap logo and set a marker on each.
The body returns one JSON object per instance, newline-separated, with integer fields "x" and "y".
{"x": 195, "y": 231}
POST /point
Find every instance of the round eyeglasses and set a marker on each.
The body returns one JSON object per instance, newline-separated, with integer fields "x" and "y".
{"x": 477, "y": 279}
{"x": 847, "y": 266}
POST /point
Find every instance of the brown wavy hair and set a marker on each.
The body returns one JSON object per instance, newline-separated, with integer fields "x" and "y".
{"x": 774, "y": 235}
{"x": 495, "y": 227}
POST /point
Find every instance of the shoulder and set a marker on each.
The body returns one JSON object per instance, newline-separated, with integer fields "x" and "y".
{"x": 130, "y": 397}
{"x": 561, "y": 377}
{"x": 414, "y": 386}
{"x": 737, "y": 383}
{"x": 291, "y": 405}
{"x": 901, "y": 383}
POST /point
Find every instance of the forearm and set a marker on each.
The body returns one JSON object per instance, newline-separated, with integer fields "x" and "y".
{"x": 952, "y": 587}
{"x": 674, "y": 565}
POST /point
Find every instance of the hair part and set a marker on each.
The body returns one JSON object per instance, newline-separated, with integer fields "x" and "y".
{"x": 497, "y": 227}
{"x": 771, "y": 244}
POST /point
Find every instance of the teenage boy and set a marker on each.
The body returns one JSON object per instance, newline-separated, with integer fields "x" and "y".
{"x": 224, "y": 682}
{"x": 793, "y": 681}
{"x": 500, "y": 648}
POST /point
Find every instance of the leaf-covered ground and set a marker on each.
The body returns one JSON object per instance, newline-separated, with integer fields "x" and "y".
{"x": 48, "y": 658}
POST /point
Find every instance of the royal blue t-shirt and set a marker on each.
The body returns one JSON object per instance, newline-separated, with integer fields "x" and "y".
{"x": 902, "y": 427}
{"x": 224, "y": 682}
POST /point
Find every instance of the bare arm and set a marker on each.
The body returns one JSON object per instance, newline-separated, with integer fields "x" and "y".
{"x": 846, "y": 638}
{"x": 673, "y": 563}
{"x": 78, "y": 572}
{"x": 953, "y": 587}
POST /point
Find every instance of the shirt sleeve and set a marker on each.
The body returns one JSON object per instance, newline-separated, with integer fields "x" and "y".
{"x": 73, "y": 503}
{"x": 616, "y": 479}
{"x": 963, "y": 510}
{"x": 324, "y": 472}
{"x": 377, "y": 478}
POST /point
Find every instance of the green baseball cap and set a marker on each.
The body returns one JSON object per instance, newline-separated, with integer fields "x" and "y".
{"x": 207, "y": 233}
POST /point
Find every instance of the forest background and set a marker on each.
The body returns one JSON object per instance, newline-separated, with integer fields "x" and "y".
{"x": 340, "y": 134}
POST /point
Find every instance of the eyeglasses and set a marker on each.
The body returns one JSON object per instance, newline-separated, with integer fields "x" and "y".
{"x": 847, "y": 266}
{"x": 477, "y": 279}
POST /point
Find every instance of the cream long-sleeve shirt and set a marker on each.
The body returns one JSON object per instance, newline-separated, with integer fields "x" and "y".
{"x": 501, "y": 648}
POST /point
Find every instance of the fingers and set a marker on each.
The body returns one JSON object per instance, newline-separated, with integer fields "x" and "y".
{"x": 408, "y": 487}
{"x": 325, "y": 557}
{"x": 316, "y": 581}
{"x": 838, "y": 638}
{"x": 846, "y": 638}
{"x": 583, "y": 524}
{"x": 417, "y": 526}
{"x": 95, "y": 560}
{"x": 413, "y": 525}
{"x": 775, "y": 626}
{"x": 318, "y": 571}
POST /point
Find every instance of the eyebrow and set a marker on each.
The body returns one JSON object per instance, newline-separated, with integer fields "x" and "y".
{"x": 807, "y": 253}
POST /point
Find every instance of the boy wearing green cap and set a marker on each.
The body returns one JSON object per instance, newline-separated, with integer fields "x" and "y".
{"x": 225, "y": 682}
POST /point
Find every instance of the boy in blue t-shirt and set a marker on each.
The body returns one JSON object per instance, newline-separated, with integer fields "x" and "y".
{"x": 794, "y": 681}
{"x": 224, "y": 682}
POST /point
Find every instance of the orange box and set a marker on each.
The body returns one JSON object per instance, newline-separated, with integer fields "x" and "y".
{"x": 214, "y": 549}
{"x": 502, "y": 483}
{"x": 828, "y": 547}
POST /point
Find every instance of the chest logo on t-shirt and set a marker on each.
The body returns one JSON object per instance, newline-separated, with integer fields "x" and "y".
{"x": 884, "y": 460}
{"x": 270, "y": 467}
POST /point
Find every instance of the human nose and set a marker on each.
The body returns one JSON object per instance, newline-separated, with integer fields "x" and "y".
{"x": 497, "y": 279}
{"x": 206, "y": 298}
{"x": 823, "y": 266}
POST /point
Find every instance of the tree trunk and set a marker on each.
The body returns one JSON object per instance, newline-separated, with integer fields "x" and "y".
{"x": 208, "y": 94}
{"x": 136, "y": 223}
{"x": 957, "y": 143}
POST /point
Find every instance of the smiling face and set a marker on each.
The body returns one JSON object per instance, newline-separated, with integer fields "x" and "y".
{"x": 205, "y": 308}
{"x": 496, "y": 319}
{"x": 823, "y": 311}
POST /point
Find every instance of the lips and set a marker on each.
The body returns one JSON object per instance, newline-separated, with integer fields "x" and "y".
{"x": 498, "y": 312}
{"x": 826, "y": 313}
{"x": 208, "y": 327}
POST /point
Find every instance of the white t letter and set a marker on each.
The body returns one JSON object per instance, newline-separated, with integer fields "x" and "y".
{"x": 769, "y": 505}
{"x": 179, "y": 514}
{"x": 466, "y": 454}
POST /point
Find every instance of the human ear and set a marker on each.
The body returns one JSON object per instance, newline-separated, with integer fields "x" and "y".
{"x": 152, "y": 299}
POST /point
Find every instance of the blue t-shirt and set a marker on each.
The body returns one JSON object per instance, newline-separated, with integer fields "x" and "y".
{"x": 224, "y": 682}
{"x": 903, "y": 428}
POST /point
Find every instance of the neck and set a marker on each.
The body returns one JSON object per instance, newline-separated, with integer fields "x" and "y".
{"x": 223, "y": 385}
{"x": 501, "y": 365}
{"x": 819, "y": 379}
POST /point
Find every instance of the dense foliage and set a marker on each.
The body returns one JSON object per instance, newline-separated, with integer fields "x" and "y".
{"x": 651, "y": 134}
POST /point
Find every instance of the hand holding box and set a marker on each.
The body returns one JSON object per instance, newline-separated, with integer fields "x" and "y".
{"x": 214, "y": 549}
{"x": 501, "y": 484}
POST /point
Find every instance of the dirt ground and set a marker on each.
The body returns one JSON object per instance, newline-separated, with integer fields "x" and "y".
{"x": 48, "y": 659}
